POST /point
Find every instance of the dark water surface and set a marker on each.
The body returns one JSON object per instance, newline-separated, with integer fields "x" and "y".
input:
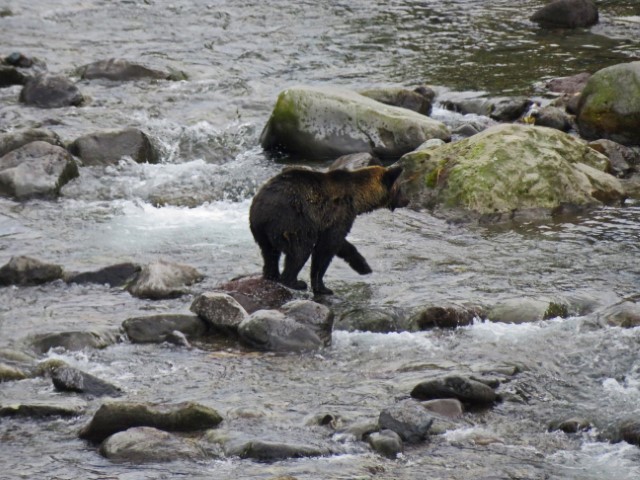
{"x": 238, "y": 56}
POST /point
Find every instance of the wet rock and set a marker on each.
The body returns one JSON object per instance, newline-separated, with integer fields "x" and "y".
{"x": 313, "y": 315}
{"x": 420, "y": 102}
{"x": 386, "y": 442}
{"x": 17, "y": 59}
{"x": 326, "y": 122}
{"x": 624, "y": 314}
{"x": 219, "y": 310}
{"x": 353, "y": 161}
{"x": 445, "y": 407}
{"x": 464, "y": 389}
{"x": 271, "y": 330}
{"x": 51, "y": 91}
{"x": 113, "y": 275}
{"x": 567, "y": 14}
{"x": 372, "y": 319}
{"x": 623, "y": 159}
{"x": 116, "y": 417}
{"x": 24, "y": 270}
{"x": 17, "y": 69}
{"x": 75, "y": 340}
{"x": 527, "y": 310}
{"x": 410, "y": 420}
{"x": 235, "y": 444}
{"x": 158, "y": 328}
{"x": 609, "y": 106}
{"x": 256, "y": 293}
{"x": 444, "y": 316}
{"x": 509, "y": 109}
{"x": 11, "y": 76}
{"x": 571, "y": 425}
{"x": 568, "y": 85}
{"x": 13, "y": 140}
{"x": 119, "y": 69}
{"x": 39, "y": 409}
{"x": 509, "y": 169}
{"x": 149, "y": 445}
{"x": 501, "y": 109}
{"x": 37, "y": 169}
{"x": 632, "y": 185}
{"x": 108, "y": 148}
{"x": 9, "y": 373}
{"x": 630, "y": 432}
{"x": 163, "y": 279}
{"x": 17, "y": 356}
{"x": 553, "y": 117}
{"x": 466, "y": 130}
{"x": 69, "y": 379}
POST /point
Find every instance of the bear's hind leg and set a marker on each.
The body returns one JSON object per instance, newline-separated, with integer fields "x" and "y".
{"x": 271, "y": 269}
{"x": 322, "y": 256}
{"x": 350, "y": 254}
{"x": 293, "y": 263}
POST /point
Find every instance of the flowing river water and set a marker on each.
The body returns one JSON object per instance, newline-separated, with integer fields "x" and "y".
{"x": 239, "y": 56}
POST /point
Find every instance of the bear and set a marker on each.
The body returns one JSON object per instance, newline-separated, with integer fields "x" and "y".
{"x": 306, "y": 213}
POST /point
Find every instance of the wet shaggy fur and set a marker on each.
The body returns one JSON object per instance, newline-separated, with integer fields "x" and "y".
{"x": 304, "y": 213}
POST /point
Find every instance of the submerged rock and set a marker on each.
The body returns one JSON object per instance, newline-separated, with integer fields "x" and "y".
{"x": 386, "y": 442}
{"x": 567, "y": 14}
{"x": 37, "y": 169}
{"x": 625, "y": 314}
{"x": 13, "y": 140}
{"x": 506, "y": 169}
{"x": 609, "y": 105}
{"x": 119, "y": 416}
{"x": 255, "y": 293}
{"x": 24, "y": 270}
{"x": 75, "y": 340}
{"x": 162, "y": 279}
{"x": 527, "y": 310}
{"x": 43, "y": 408}
{"x": 119, "y": 69}
{"x": 69, "y": 379}
{"x": 114, "y": 275}
{"x": 108, "y": 148}
{"x": 464, "y": 389}
{"x": 161, "y": 328}
{"x": 140, "y": 445}
{"x": 9, "y": 373}
{"x": 326, "y": 122}
{"x": 219, "y": 310}
{"x": 51, "y": 91}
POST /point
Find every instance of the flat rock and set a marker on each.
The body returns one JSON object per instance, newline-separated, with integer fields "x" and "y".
{"x": 118, "y": 69}
{"x": 163, "y": 279}
{"x": 43, "y": 408}
{"x": 113, "y": 275}
{"x": 75, "y": 340}
{"x": 464, "y": 389}
{"x": 24, "y": 270}
{"x": 51, "y": 91}
{"x": 158, "y": 328}
{"x": 255, "y": 293}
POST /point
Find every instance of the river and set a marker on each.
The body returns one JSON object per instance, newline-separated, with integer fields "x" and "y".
{"x": 238, "y": 56}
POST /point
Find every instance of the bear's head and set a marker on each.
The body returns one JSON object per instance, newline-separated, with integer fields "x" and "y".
{"x": 397, "y": 198}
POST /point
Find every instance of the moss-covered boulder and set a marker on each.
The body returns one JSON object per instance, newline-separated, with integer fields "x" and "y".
{"x": 509, "y": 168}
{"x": 609, "y": 106}
{"x": 327, "y": 122}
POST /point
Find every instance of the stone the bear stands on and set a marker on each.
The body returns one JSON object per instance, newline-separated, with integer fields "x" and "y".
{"x": 304, "y": 213}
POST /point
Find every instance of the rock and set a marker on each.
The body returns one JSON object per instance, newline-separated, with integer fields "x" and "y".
{"x": 113, "y": 275}
{"x": 313, "y": 315}
{"x": 507, "y": 169}
{"x": 162, "y": 279}
{"x": 13, "y": 140}
{"x": 271, "y": 330}
{"x": 410, "y": 420}
{"x": 623, "y": 160}
{"x": 28, "y": 271}
{"x": 429, "y": 144}
{"x": 509, "y": 109}
{"x": 69, "y": 379}
{"x": 445, "y": 407}
{"x": 16, "y": 356}
{"x": 444, "y": 316}
{"x": 372, "y": 319}
{"x": 403, "y": 98}
{"x": 9, "y": 373}
{"x": 108, "y": 148}
{"x": 572, "y": 425}
{"x": 464, "y": 131}
{"x": 149, "y": 445}
{"x": 386, "y": 442}
{"x": 116, "y": 417}
{"x": 51, "y": 91}
{"x": 19, "y": 60}
{"x": 16, "y": 68}
{"x": 624, "y": 314}
{"x": 119, "y": 69}
{"x": 466, "y": 390}
{"x": 256, "y": 293}
{"x": 353, "y": 161}
{"x": 326, "y": 122}
{"x": 630, "y": 432}
{"x": 553, "y": 117}
{"x": 502, "y": 109}
{"x": 567, "y": 14}
{"x": 75, "y": 340}
{"x": 219, "y": 310}
{"x": 609, "y": 106}
{"x": 11, "y": 76}
{"x": 48, "y": 408}
{"x": 176, "y": 337}
{"x": 527, "y": 310}
{"x": 37, "y": 169}
{"x": 568, "y": 85}
{"x": 158, "y": 328}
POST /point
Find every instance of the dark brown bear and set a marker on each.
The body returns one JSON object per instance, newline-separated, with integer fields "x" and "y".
{"x": 304, "y": 213}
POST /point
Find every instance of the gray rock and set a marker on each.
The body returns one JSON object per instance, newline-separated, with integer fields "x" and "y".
{"x": 372, "y": 319}
{"x": 75, "y": 340}
{"x": 141, "y": 445}
{"x": 37, "y": 169}
{"x": 219, "y": 310}
{"x": 553, "y": 117}
{"x": 28, "y": 271}
{"x": 630, "y": 432}
{"x": 13, "y": 140}
{"x": 119, "y": 416}
{"x": 44, "y": 408}
{"x": 51, "y": 91}
{"x": 158, "y": 328}
{"x": 255, "y": 293}
{"x": 162, "y": 279}
{"x": 354, "y": 161}
{"x": 445, "y": 407}
{"x": 386, "y": 442}
{"x": 508, "y": 109}
{"x": 464, "y": 389}
{"x": 465, "y": 130}
{"x": 69, "y": 379}
{"x": 113, "y": 275}
{"x": 271, "y": 330}
{"x": 408, "y": 419}
{"x": 108, "y": 148}
{"x": 429, "y": 144}
{"x": 624, "y": 160}
{"x": 526, "y": 310}
{"x": 313, "y": 315}
{"x": 119, "y": 69}
{"x": 568, "y": 85}
{"x": 572, "y": 425}
{"x": 567, "y": 14}
{"x": 502, "y": 109}
{"x": 9, "y": 373}
{"x": 625, "y": 314}
{"x": 403, "y": 98}
{"x": 444, "y": 316}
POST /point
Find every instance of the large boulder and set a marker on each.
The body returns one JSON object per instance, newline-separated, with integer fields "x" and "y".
{"x": 609, "y": 106}
{"x": 567, "y": 14}
{"x": 326, "y": 122}
{"x": 107, "y": 148}
{"x": 36, "y": 170}
{"x": 509, "y": 168}
{"x": 51, "y": 91}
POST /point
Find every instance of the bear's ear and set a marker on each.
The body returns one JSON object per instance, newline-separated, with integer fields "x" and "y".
{"x": 391, "y": 175}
